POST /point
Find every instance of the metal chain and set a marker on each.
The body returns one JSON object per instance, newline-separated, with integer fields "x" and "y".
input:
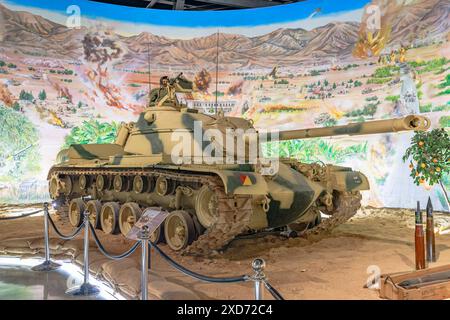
{"x": 194, "y": 274}
{"x": 273, "y": 291}
{"x": 62, "y": 236}
{"x": 108, "y": 255}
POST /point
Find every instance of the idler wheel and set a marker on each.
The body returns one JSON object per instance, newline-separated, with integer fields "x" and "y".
{"x": 129, "y": 214}
{"x": 206, "y": 207}
{"x": 76, "y": 211}
{"x": 102, "y": 182}
{"x": 94, "y": 207}
{"x": 120, "y": 183}
{"x": 109, "y": 218}
{"x": 140, "y": 184}
{"x": 179, "y": 230}
{"x": 53, "y": 187}
{"x": 164, "y": 186}
{"x": 58, "y": 186}
{"x": 84, "y": 182}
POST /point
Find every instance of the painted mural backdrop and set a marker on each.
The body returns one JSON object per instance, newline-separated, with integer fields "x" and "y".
{"x": 71, "y": 71}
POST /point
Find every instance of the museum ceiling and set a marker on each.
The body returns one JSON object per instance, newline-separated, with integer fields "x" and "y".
{"x": 196, "y": 5}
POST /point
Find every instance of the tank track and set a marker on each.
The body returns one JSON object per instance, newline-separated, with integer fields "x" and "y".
{"x": 347, "y": 206}
{"x": 234, "y": 217}
{"x": 234, "y": 212}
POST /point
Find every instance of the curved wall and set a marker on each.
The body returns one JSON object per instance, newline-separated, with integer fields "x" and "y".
{"x": 67, "y": 72}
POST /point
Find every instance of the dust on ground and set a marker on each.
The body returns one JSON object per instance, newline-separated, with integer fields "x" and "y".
{"x": 331, "y": 266}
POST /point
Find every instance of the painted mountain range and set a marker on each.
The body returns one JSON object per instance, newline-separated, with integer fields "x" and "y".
{"x": 33, "y": 34}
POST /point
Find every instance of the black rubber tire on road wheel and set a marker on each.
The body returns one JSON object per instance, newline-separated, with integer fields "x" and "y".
{"x": 158, "y": 236}
{"x": 179, "y": 230}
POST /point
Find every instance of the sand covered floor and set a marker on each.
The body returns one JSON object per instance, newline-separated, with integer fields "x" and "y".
{"x": 333, "y": 266}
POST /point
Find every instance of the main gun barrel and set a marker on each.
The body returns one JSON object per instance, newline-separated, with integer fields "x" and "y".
{"x": 408, "y": 123}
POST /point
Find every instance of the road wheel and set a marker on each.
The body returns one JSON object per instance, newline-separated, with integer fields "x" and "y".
{"x": 109, "y": 218}
{"x": 179, "y": 230}
{"x": 102, "y": 182}
{"x": 94, "y": 207}
{"x": 206, "y": 207}
{"x": 76, "y": 210}
{"x": 129, "y": 214}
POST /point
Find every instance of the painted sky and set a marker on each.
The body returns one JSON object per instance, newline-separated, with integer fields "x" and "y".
{"x": 188, "y": 24}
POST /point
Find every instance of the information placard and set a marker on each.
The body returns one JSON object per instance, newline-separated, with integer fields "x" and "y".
{"x": 152, "y": 218}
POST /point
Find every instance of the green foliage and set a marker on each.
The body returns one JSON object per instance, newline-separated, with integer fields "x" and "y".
{"x": 385, "y": 72}
{"x": 282, "y": 81}
{"x": 12, "y": 66}
{"x": 444, "y": 107}
{"x": 16, "y": 106}
{"x": 445, "y": 92}
{"x": 42, "y": 95}
{"x": 316, "y": 72}
{"x": 429, "y": 156}
{"x": 378, "y": 80}
{"x": 425, "y": 108}
{"x": 92, "y": 131}
{"x": 358, "y": 83}
{"x": 393, "y": 99}
{"x": 445, "y": 83}
{"x": 2, "y": 63}
{"x": 368, "y": 111}
{"x": 432, "y": 65}
{"x": 325, "y": 120}
{"x": 313, "y": 150}
{"x": 134, "y": 85}
{"x": 19, "y": 153}
{"x": 444, "y": 122}
{"x": 24, "y": 95}
{"x": 219, "y": 93}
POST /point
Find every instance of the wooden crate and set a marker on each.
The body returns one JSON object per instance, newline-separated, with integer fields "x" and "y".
{"x": 389, "y": 288}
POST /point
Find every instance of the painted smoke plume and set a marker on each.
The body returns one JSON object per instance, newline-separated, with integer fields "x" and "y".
{"x": 101, "y": 50}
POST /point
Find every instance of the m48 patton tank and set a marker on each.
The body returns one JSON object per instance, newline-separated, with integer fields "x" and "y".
{"x": 209, "y": 203}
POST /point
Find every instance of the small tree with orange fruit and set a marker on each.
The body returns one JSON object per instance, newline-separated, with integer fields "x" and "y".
{"x": 429, "y": 158}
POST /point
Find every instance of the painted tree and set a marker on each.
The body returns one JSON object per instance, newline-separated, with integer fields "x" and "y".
{"x": 429, "y": 158}
{"x": 92, "y": 131}
{"x": 42, "y": 95}
{"x": 19, "y": 150}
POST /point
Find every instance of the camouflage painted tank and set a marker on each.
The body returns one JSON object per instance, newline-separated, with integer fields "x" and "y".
{"x": 209, "y": 204}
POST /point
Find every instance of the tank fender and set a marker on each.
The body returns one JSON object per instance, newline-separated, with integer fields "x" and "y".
{"x": 347, "y": 181}
{"x": 242, "y": 182}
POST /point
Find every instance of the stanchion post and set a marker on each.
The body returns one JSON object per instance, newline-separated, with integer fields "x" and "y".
{"x": 47, "y": 265}
{"x": 258, "y": 266}
{"x": 144, "y": 236}
{"x": 86, "y": 289}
